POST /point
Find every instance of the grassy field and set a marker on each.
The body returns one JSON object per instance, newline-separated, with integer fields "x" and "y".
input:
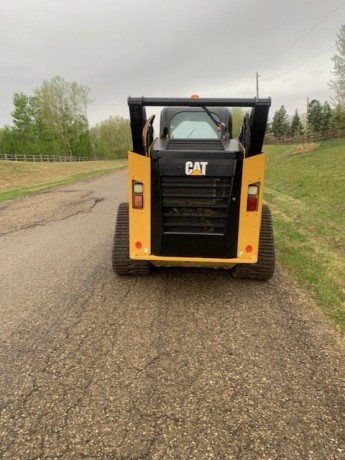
{"x": 18, "y": 179}
{"x": 305, "y": 189}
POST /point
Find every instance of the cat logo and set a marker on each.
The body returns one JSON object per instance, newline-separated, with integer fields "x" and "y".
{"x": 196, "y": 168}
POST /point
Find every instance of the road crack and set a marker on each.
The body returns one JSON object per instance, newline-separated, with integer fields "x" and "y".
{"x": 42, "y": 223}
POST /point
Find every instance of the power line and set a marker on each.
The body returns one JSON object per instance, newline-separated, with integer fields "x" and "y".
{"x": 303, "y": 35}
{"x": 301, "y": 63}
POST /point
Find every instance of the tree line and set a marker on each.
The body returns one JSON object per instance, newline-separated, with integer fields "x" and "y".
{"x": 53, "y": 120}
{"x": 320, "y": 119}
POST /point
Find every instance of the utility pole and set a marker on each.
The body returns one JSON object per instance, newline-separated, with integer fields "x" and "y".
{"x": 257, "y": 84}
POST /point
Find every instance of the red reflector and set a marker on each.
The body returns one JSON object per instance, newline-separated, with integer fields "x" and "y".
{"x": 138, "y": 245}
{"x": 252, "y": 203}
{"x": 249, "y": 248}
{"x": 138, "y": 201}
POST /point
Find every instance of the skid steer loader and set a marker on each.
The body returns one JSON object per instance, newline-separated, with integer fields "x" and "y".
{"x": 195, "y": 191}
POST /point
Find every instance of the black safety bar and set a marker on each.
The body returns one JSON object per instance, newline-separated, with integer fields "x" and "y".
{"x": 197, "y": 102}
{"x": 254, "y": 129}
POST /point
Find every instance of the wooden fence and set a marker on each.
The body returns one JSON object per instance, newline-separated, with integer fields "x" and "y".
{"x": 44, "y": 158}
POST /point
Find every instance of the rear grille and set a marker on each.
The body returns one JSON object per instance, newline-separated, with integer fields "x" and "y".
{"x": 195, "y": 204}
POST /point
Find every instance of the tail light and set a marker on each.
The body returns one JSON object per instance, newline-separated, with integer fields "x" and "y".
{"x": 138, "y": 195}
{"x": 253, "y": 197}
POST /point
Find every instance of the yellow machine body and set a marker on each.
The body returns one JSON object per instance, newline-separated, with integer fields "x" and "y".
{"x": 139, "y": 170}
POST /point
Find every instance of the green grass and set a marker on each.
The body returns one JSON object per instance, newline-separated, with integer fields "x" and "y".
{"x": 305, "y": 189}
{"x": 19, "y": 179}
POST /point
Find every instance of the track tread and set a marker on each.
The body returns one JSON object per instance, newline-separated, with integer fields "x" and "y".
{"x": 122, "y": 264}
{"x": 263, "y": 270}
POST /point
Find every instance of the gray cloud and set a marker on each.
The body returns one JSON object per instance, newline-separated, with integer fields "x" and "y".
{"x": 155, "y": 48}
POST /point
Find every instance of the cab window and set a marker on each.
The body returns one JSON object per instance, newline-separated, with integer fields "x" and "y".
{"x": 194, "y": 125}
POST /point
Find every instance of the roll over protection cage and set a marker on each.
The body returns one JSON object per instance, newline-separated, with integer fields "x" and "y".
{"x": 252, "y": 131}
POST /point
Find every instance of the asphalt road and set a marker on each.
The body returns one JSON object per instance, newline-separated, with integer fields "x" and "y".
{"x": 184, "y": 364}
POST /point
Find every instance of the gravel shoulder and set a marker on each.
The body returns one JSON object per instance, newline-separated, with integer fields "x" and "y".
{"x": 182, "y": 364}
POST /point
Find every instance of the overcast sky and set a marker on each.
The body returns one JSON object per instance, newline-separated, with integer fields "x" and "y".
{"x": 169, "y": 48}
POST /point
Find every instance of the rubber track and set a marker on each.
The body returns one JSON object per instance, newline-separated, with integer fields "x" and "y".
{"x": 263, "y": 270}
{"x": 122, "y": 264}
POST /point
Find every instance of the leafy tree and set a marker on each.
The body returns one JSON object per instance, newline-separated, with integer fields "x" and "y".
{"x": 27, "y": 129}
{"x": 338, "y": 117}
{"x": 52, "y": 120}
{"x": 319, "y": 117}
{"x": 9, "y": 140}
{"x": 296, "y": 128}
{"x": 237, "y": 120}
{"x": 338, "y": 84}
{"x": 24, "y": 113}
{"x": 280, "y": 123}
{"x": 63, "y": 108}
{"x": 326, "y": 124}
{"x": 112, "y": 137}
{"x": 315, "y": 115}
